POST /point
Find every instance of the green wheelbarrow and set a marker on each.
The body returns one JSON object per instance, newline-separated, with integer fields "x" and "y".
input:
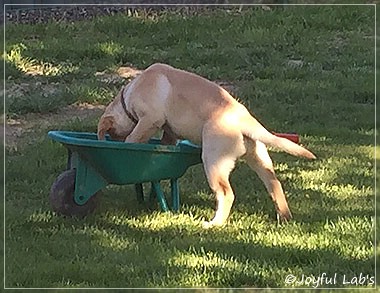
{"x": 93, "y": 164}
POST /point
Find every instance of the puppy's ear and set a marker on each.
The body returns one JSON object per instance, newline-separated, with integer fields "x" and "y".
{"x": 104, "y": 125}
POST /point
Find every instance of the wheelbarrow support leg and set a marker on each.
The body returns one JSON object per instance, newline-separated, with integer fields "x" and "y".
{"x": 175, "y": 194}
{"x": 139, "y": 192}
{"x": 160, "y": 195}
{"x": 88, "y": 181}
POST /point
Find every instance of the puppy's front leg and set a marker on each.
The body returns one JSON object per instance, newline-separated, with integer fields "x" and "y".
{"x": 168, "y": 137}
{"x": 143, "y": 131}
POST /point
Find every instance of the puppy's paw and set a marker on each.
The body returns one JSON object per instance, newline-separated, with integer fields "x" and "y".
{"x": 207, "y": 225}
{"x": 211, "y": 224}
{"x": 284, "y": 217}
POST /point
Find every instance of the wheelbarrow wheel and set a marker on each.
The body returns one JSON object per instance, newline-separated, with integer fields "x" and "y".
{"x": 61, "y": 197}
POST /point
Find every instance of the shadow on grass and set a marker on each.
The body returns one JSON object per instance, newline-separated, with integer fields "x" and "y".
{"x": 173, "y": 256}
{"x": 179, "y": 258}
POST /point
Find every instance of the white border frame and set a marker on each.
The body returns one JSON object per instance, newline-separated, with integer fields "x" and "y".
{"x": 185, "y": 5}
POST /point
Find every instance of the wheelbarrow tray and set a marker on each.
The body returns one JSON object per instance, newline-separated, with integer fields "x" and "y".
{"x": 99, "y": 163}
{"x": 129, "y": 163}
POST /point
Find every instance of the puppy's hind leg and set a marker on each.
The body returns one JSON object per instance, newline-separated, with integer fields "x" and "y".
{"x": 258, "y": 159}
{"x": 217, "y": 173}
{"x": 220, "y": 149}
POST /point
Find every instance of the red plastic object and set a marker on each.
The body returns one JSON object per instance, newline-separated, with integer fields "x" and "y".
{"x": 291, "y": 136}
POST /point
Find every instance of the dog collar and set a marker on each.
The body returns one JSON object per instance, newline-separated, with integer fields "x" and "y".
{"x": 129, "y": 114}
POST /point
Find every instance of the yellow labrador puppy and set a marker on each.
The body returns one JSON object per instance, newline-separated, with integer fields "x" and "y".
{"x": 188, "y": 106}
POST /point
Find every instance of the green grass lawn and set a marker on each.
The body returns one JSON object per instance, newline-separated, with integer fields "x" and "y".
{"x": 304, "y": 69}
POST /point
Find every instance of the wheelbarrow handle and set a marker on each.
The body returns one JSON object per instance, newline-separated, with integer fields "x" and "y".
{"x": 291, "y": 136}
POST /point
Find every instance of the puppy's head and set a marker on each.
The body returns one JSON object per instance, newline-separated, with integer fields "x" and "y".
{"x": 109, "y": 125}
{"x": 105, "y": 125}
{"x": 115, "y": 122}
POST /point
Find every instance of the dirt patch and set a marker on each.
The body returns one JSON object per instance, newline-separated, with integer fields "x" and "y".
{"x": 15, "y": 129}
{"x": 76, "y": 12}
{"x": 16, "y": 90}
{"x": 120, "y": 76}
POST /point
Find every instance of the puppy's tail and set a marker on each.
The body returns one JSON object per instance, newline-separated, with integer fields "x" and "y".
{"x": 255, "y": 131}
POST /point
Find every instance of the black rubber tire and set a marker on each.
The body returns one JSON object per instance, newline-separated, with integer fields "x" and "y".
{"x": 61, "y": 197}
